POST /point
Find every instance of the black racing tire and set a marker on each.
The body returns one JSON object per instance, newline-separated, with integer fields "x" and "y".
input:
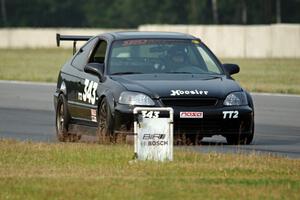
{"x": 105, "y": 123}
{"x": 241, "y": 139}
{"x": 249, "y": 138}
{"x": 187, "y": 139}
{"x": 193, "y": 139}
{"x": 62, "y": 119}
{"x": 120, "y": 136}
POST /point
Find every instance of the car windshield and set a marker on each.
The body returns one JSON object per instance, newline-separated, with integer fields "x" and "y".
{"x": 148, "y": 56}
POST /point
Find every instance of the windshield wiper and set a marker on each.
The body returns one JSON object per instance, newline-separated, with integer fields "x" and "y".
{"x": 123, "y": 73}
{"x": 178, "y": 73}
{"x": 211, "y": 75}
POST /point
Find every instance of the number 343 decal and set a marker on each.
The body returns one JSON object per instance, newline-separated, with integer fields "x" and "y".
{"x": 89, "y": 93}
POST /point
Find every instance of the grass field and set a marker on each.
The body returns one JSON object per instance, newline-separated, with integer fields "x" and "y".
{"x": 257, "y": 75}
{"x": 32, "y": 64}
{"x": 91, "y": 171}
{"x": 268, "y": 75}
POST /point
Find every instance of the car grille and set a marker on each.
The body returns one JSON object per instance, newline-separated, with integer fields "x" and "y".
{"x": 200, "y": 125}
{"x": 212, "y": 125}
{"x": 189, "y": 102}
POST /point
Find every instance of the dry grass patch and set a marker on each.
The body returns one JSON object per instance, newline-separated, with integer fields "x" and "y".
{"x": 91, "y": 171}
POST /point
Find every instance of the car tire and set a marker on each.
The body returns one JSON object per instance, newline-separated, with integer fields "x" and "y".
{"x": 241, "y": 139}
{"x": 105, "y": 125}
{"x": 120, "y": 136}
{"x": 249, "y": 138}
{"x": 62, "y": 119}
{"x": 193, "y": 139}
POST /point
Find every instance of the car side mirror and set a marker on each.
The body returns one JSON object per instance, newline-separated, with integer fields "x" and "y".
{"x": 231, "y": 68}
{"x": 95, "y": 68}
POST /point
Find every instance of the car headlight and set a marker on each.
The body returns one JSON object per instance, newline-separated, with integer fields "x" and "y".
{"x": 135, "y": 98}
{"x": 236, "y": 99}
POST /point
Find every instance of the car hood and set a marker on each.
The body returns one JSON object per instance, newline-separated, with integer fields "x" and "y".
{"x": 179, "y": 85}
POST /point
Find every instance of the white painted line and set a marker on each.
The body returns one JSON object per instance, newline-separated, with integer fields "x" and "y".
{"x": 274, "y": 94}
{"x": 27, "y": 83}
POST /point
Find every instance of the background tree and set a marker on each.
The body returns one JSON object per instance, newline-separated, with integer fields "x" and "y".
{"x": 132, "y": 13}
{"x": 215, "y": 11}
{"x": 3, "y": 12}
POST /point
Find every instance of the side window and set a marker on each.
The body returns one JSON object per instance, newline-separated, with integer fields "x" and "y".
{"x": 81, "y": 57}
{"x": 98, "y": 54}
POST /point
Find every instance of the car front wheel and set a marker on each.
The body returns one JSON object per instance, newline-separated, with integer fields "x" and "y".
{"x": 62, "y": 119}
{"x": 105, "y": 126}
{"x": 241, "y": 139}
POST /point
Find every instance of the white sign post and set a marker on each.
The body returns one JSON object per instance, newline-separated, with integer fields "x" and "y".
{"x": 153, "y": 138}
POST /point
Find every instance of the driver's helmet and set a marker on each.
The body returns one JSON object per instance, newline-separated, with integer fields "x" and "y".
{"x": 177, "y": 55}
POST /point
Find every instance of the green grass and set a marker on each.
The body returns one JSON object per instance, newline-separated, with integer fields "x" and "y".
{"x": 268, "y": 75}
{"x": 32, "y": 64}
{"x": 91, "y": 171}
{"x": 257, "y": 75}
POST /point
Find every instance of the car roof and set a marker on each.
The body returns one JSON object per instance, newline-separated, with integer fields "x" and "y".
{"x": 148, "y": 35}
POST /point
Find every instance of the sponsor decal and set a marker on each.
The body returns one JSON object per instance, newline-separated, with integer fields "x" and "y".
{"x": 231, "y": 114}
{"x": 151, "y": 41}
{"x": 188, "y": 92}
{"x": 94, "y": 115}
{"x": 80, "y": 96}
{"x": 191, "y": 115}
{"x": 196, "y": 41}
{"x": 154, "y": 140}
{"x": 157, "y": 143}
{"x": 154, "y": 136}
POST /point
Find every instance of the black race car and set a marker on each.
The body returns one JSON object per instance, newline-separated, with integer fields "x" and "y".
{"x": 112, "y": 73}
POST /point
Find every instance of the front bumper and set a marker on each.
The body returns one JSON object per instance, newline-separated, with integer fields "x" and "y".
{"x": 237, "y": 120}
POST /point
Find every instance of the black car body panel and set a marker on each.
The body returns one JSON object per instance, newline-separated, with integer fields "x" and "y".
{"x": 161, "y": 85}
{"x": 184, "y": 92}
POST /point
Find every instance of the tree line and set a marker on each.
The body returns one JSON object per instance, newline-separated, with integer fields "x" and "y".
{"x": 132, "y": 13}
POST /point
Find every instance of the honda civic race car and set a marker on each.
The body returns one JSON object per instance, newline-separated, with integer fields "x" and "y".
{"x": 112, "y": 73}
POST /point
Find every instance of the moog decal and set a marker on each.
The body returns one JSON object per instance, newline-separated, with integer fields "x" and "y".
{"x": 191, "y": 114}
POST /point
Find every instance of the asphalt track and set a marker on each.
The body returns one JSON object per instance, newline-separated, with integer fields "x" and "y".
{"x": 27, "y": 113}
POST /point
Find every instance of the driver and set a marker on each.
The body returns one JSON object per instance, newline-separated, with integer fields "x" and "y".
{"x": 177, "y": 57}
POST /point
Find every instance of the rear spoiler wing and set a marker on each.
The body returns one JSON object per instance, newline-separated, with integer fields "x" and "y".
{"x": 73, "y": 38}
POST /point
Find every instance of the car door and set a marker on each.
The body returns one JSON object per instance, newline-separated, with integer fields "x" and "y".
{"x": 75, "y": 84}
{"x": 89, "y": 84}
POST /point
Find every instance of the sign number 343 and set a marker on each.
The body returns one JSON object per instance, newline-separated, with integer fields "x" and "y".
{"x": 150, "y": 114}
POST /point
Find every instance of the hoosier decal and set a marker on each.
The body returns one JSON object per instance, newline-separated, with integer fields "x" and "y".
{"x": 188, "y": 92}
